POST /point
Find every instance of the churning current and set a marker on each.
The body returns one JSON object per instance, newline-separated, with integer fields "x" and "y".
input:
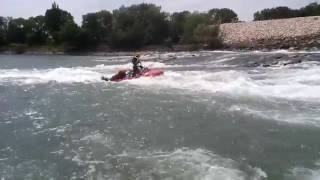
{"x": 211, "y": 116}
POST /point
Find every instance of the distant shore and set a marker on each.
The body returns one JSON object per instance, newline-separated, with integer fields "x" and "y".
{"x": 301, "y": 33}
{"x": 181, "y": 48}
{"x": 101, "y": 51}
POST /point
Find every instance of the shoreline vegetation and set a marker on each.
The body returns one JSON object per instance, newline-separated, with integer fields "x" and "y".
{"x": 145, "y": 27}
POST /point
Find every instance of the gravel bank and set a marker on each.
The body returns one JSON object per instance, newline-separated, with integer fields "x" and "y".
{"x": 296, "y": 33}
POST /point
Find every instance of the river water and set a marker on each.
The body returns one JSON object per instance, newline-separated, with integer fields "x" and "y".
{"x": 211, "y": 116}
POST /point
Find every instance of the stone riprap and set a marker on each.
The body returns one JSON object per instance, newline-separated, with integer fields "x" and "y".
{"x": 296, "y": 33}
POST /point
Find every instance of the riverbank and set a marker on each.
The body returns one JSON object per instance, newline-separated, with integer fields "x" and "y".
{"x": 181, "y": 48}
{"x": 101, "y": 50}
{"x": 301, "y": 33}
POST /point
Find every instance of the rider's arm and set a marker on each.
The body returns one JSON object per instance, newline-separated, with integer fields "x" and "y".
{"x": 140, "y": 64}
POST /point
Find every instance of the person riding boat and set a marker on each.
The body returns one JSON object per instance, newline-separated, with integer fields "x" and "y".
{"x": 137, "y": 66}
{"x": 136, "y": 70}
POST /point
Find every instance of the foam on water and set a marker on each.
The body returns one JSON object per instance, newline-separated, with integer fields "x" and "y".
{"x": 63, "y": 75}
{"x": 182, "y": 163}
{"x": 176, "y": 55}
{"x": 287, "y": 82}
{"x": 284, "y": 113}
{"x": 305, "y": 174}
{"x": 290, "y": 83}
{"x": 283, "y": 51}
{"x": 97, "y": 152}
{"x": 300, "y": 85}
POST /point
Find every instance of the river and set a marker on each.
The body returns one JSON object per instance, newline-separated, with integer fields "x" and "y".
{"x": 218, "y": 115}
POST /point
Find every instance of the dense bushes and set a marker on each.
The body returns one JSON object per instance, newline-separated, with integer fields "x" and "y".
{"x": 127, "y": 27}
{"x": 3, "y": 31}
{"x": 207, "y": 35}
{"x": 98, "y": 26}
{"x": 138, "y": 25}
{"x": 312, "y": 9}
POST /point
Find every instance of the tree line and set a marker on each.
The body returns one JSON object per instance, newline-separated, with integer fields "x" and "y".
{"x": 282, "y": 12}
{"x": 127, "y": 27}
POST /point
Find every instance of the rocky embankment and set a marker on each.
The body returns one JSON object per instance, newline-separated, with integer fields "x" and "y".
{"x": 294, "y": 33}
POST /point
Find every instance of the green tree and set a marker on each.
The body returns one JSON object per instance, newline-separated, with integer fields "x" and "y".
{"x": 31, "y": 31}
{"x": 139, "y": 25}
{"x": 75, "y": 38}
{"x": 3, "y": 30}
{"x": 176, "y": 26}
{"x": 191, "y": 23}
{"x": 276, "y": 13}
{"x": 131, "y": 38}
{"x": 85, "y": 41}
{"x": 55, "y": 19}
{"x": 312, "y": 9}
{"x": 223, "y": 16}
{"x": 208, "y": 35}
{"x": 99, "y": 25}
{"x": 37, "y": 32}
{"x": 17, "y": 31}
{"x": 69, "y": 32}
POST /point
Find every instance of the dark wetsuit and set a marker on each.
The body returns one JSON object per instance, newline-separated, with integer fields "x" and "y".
{"x": 137, "y": 67}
